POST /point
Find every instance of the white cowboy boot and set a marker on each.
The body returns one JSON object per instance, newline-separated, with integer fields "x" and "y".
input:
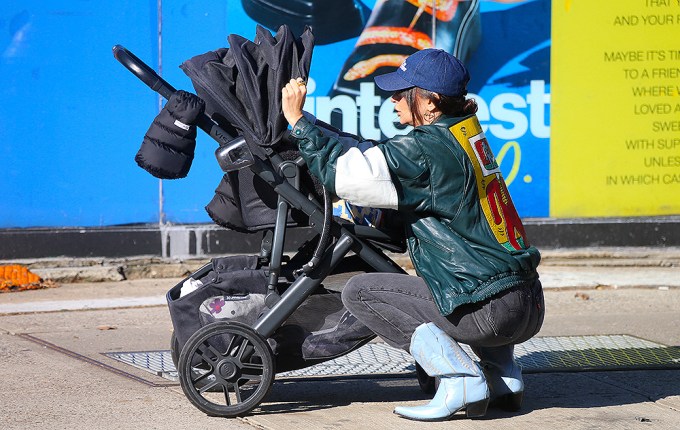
{"x": 503, "y": 375}
{"x": 462, "y": 384}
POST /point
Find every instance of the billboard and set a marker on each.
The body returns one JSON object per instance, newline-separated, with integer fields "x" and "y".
{"x": 600, "y": 142}
{"x": 616, "y": 121}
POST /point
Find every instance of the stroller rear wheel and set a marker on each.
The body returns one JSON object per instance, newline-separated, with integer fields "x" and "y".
{"x": 226, "y": 369}
{"x": 174, "y": 350}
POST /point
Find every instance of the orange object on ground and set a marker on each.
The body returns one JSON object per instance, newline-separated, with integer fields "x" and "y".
{"x": 15, "y": 277}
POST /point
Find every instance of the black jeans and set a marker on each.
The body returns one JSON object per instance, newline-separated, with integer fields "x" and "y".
{"x": 394, "y": 305}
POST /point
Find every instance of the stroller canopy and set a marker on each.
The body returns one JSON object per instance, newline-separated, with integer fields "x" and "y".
{"x": 243, "y": 83}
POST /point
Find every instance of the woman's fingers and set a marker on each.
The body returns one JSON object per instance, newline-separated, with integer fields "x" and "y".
{"x": 293, "y": 98}
{"x": 296, "y": 87}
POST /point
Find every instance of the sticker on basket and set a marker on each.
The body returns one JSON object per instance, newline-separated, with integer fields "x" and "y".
{"x": 245, "y": 309}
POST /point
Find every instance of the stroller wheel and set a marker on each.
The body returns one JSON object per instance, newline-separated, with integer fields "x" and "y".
{"x": 226, "y": 369}
{"x": 174, "y": 354}
{"x": 174, "y": 349}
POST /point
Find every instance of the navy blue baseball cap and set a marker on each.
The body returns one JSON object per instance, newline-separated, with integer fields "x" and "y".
{"x": 430, "y": 69}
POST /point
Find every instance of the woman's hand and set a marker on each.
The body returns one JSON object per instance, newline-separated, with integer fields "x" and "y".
{"x": 292, "y": 100}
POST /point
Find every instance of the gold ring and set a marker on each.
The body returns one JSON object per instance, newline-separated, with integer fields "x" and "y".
{"x": 301, "y": 83}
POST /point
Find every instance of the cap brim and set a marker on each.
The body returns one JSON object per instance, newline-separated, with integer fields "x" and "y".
{"x": 392, "y": 82}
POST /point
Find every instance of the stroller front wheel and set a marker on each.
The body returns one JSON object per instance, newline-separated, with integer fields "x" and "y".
{"x": 226, "y": 369}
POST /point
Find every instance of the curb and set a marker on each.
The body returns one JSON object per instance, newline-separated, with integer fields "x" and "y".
{"x": 73, "y": 270}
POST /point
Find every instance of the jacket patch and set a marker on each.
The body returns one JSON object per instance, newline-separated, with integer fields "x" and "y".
{"x": 494, "y": 197}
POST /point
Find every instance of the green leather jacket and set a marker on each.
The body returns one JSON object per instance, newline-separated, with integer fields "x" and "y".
{"x": 464, "y": 235}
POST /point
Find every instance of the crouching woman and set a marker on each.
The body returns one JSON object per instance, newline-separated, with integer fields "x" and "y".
{"x": 477, "y": 282}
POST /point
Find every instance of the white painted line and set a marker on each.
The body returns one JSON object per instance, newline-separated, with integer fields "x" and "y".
{"x": 74, "y": 305}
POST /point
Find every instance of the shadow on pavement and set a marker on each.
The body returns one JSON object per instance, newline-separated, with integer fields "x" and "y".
{"x": 560, "y": 390}
{"x": 311, "y": 395}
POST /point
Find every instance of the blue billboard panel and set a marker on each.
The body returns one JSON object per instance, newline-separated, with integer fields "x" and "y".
{"x": 69, "y": 119}
{"x": 73, "y": 118}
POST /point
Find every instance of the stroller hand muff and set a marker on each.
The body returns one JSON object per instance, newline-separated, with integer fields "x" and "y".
{"x": 167, "y": 150}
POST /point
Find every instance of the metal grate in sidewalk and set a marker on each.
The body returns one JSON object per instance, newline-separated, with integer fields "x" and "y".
{"x": 538, "y": 355}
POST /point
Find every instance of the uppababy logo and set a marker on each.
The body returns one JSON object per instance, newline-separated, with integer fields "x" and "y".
{"x": 181, "y": 125}
{"x": 506, "y": 116}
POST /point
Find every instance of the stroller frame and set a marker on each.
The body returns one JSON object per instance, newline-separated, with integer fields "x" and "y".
{"x": 248, "y": 359}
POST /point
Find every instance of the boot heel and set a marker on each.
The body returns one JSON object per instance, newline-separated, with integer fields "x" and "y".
{"x": 510, "y": 402}
{"x": 477, "y": 409}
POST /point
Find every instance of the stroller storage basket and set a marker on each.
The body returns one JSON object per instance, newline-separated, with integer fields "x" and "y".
{"x": 234, "y": 289}
{"x": 230, "y": 288}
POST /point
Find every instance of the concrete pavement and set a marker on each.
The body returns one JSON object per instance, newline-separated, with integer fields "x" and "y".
{"x": 54, "y": 373}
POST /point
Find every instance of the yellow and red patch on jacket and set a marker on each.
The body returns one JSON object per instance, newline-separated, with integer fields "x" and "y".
{"x": 494, "y": 197}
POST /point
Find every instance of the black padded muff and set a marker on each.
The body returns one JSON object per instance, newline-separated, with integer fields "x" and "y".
{"x": 167, "y": 150}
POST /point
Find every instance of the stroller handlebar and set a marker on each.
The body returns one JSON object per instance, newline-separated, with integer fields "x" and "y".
{"x": 145, "y": 73}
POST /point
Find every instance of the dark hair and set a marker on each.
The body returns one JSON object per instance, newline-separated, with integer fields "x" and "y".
{"x": 451, "y": 106}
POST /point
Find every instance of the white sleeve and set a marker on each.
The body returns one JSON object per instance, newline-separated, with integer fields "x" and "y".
{"x": 364, "y": 179}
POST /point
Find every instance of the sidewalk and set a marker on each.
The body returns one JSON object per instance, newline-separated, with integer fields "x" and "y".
{"x": 55, "y": 374}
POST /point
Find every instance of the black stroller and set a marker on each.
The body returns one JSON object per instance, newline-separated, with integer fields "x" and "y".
{"x": 241, "y": 319}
